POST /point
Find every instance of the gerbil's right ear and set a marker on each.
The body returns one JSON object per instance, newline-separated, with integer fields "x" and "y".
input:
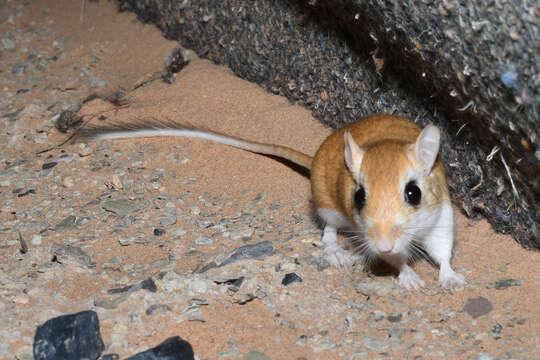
{"x": 426, "y": 147}
{"x": 353, "y": 155}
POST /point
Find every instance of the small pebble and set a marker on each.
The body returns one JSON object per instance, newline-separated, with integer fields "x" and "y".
{"x": 49, "y": 165}
{"x": 67, "y": 182}
{"x": 159, "y": 232}
{"x": 477, "y": 307}
{"x": 290, "y": 278}
{"x": 36, "y": 239}
{"x": 203, "y": 240}
{"x": 157, "y": 309}
{"x": 168, "y": 220}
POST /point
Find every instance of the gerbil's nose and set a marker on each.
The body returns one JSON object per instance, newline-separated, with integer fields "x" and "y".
{"x": 385, "y": 245}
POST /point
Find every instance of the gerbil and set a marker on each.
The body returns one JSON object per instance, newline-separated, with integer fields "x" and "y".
{"x": 380, "y": 177}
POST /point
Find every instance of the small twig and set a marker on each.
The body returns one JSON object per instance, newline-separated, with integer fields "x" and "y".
{"x": 24, "y": 246}
{"x": 480, "y": 183}
{"x": 461, "y": 128}
{"x": 492, "y": 153}
{"x": 514, "y": 189}
{"x": 467, "y": 106}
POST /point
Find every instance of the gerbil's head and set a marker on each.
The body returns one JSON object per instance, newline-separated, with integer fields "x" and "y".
{"x": 397, "y": 191}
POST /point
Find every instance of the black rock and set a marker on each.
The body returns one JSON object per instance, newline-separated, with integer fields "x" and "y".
{"x": 149, "y": 285}
{"x": 73, "y": 336}
{"x": 30, "y": 191}
{"x": 49, "y": 165}
{"x": 290, "y": 278}
{"x": 159, "y": 232}
{"x": 173, "y": 348}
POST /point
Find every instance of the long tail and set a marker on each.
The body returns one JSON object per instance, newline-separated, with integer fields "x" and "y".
{"x": 153, "y": 128}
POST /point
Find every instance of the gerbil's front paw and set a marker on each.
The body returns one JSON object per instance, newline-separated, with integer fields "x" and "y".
{"x": 449, "y": 278}
{"x": 338, "y": 257}
{"x": 409, "y": 280}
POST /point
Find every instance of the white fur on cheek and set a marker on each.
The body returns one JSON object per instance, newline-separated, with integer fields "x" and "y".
{"x": 420, "y": 225}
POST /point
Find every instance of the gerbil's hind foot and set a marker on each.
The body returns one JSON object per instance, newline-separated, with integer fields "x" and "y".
{"x": 449, "y": 278}
{"x": 408, "y": 279}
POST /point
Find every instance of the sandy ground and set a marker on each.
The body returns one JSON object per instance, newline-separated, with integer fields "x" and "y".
{"x": 53, "y": 56}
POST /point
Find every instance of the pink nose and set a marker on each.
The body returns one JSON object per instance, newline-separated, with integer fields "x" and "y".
{"x": 385, "y": 245}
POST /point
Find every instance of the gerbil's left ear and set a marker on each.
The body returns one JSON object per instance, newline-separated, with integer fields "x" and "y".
{"x": 353, "y": 155}
{"x": 426, "y": 148}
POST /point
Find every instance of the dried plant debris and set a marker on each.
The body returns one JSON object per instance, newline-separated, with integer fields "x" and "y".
{"x": 470, "y": 67}
{"x": 117, "y": 98}
{"x": 176, "y": 61}
{"x": 68, "y": 120}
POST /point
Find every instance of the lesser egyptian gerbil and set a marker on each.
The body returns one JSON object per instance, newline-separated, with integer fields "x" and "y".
{"x": 380, "y": 178}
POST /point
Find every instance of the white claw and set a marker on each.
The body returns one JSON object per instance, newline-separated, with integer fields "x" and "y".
{"x": 338, "y": 257}
{"x": 449, "y": 278}
{"x": 409, "y": 280}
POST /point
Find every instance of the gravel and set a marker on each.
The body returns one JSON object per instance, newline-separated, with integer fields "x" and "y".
{"x": 92, "y": 248}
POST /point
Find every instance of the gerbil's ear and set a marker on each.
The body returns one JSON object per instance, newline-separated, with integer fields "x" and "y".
{"x": 353, "y": 155}
{"x": 426, "y": 148}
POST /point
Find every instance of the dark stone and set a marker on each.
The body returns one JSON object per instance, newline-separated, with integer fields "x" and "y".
{"x": 496, "y": 331}
{"x": 67, "y": 337}
{"x": 504, "y": 284}
{"x": 394, "y": 318}
{"x": 234, "y": 281}
{"x": 149, "y": 285}
{"x": 447, "y": 64}
{"x": 29, "y": 191}
{"x": 159, "y": 232}
{"x": 290, "y": 278}
{"x": 478, "y": 306}
{"x": 49, "y": 165}
{"x": 157, "y": 308}
{"x": 254, "y": 251}
{"x": 173, "y": 348}
{"x": 119, "y": 290}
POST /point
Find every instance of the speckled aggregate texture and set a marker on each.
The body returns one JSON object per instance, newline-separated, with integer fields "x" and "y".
{"x": 471, "y": 67}
{"x": 182, "y": 237}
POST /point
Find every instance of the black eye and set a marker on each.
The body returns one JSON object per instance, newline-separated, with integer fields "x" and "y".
{"x": 412, "y": 193}
{"x": 360, "y": 197}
